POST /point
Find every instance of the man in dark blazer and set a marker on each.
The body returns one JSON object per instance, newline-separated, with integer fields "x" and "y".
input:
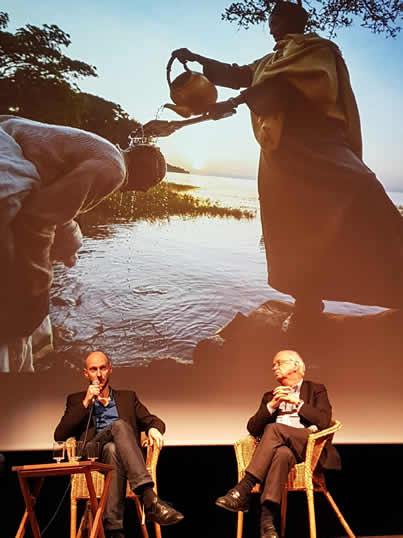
{"x": 283, "y": 422}
{"x": 115, "y": 419}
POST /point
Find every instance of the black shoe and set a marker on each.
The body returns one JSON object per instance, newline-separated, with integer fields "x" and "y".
{"x": 268, "y": 531}
{"x": 234, "y": 501}
{"x": 163, "y": 514}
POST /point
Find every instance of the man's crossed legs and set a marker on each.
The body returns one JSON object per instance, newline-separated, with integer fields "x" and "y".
{"x": 119, "y": 448}
{"x": 279, "y": 449}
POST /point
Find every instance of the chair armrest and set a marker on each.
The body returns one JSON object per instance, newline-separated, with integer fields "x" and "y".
{"x": 316, "y": 443}
{"x": 244, "y": 450}
{"x": 152, "y": 455}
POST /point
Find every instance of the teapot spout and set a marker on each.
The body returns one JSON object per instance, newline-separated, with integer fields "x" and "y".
{"x": 182, "y": 110}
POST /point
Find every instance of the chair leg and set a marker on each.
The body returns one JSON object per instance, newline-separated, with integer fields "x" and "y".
{"x": 239, "y": 527}
{"x": 311, "y": 511}
{"x": 284, "y": 498}
{"x": 143, "y": 526}
{"x": 73, "y": 518}
{"x": 86, "y": 521}
{"x": 157, "y": 529}
{"x": 338, "y": 513}
{"x": 90, "y": 519}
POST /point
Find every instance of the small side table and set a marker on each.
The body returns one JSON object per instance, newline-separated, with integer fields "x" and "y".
{"x": 40, "y": 472}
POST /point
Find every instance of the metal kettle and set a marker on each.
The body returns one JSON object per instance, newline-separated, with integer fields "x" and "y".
{"x": 191, "y": 92}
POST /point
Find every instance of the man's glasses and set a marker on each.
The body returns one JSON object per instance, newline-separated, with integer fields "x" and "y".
{"x": 281, "y": 361}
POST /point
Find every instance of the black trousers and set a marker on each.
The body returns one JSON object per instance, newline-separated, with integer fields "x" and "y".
{"x": 119, "y": 447}
{"x": 280, "y": 448}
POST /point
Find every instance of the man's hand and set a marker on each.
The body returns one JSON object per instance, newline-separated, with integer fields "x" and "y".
{"x": 291, "y": 398}
{"x": 185, "y": 55}
{"x": 221, "y": 109}
{"x": 92, "y": 392}
{"x": 155, "y": 436}
{"x": 282, "y": 394}
{"x": 159, "y": 128}
{"x": 224, "y": 109}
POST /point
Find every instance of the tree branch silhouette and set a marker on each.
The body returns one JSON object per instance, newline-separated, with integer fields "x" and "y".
{"x": 379, "y": 16}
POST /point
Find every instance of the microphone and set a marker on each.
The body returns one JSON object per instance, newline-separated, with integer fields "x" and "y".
{"x": 95, "y": 383}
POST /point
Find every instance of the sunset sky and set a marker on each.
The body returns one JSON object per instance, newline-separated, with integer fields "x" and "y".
{"x": 130, "y": 44}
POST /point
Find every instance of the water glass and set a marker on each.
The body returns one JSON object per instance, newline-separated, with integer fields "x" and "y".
{"x": 92, "y": 450}
{"x": 58, "y": 451}
{"x": 78, "y": 451}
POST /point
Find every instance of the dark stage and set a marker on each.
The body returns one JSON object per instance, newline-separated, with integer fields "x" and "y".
{"x": 368, "y": 491}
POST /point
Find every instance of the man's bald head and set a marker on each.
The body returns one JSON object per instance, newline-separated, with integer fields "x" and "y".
{"x": 96, "y": 355}
{"x": 98, "y": 368}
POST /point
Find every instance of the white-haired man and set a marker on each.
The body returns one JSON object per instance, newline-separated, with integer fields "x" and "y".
{"x": 285, "y": 418}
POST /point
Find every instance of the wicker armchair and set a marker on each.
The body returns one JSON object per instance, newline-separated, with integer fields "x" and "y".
{"x": 79, "y": 491}
{"x": 305, "y": 476}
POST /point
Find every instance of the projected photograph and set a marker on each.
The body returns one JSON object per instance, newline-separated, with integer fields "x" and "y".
{"x": 190, "y": 195}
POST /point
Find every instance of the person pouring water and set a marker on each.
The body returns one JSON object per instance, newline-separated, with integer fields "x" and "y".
{"x": 330, "y": 231}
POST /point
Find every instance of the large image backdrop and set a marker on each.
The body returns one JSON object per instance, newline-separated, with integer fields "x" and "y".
{"x": 148, "y": 290}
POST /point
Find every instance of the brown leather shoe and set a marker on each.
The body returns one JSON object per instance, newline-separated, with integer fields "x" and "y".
{"x": 233, "y": 501}
{"x": 268, "y": 531}
{"x": 163, "y": 514}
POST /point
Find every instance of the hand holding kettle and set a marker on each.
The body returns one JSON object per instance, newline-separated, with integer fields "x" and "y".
{"x": 185, "y": 55}
{"x": 191, "y": 91}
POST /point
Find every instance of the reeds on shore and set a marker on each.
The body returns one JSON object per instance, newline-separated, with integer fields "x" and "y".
{"x": 159, "y": 203}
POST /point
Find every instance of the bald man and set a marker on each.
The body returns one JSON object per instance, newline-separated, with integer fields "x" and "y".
{"x": 117, "y": 417}
{"x": 283, "y": 422}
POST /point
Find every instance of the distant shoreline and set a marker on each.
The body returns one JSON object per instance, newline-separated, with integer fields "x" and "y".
{"x": 177, "y": 169}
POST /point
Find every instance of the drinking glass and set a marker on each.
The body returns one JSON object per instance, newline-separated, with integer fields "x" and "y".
{"x": 92, "y": 450}
{"x": 78, "y": 451}
{"x": 58, "y": 451}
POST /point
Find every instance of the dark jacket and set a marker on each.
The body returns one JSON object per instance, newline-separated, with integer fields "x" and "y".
{"x": 130, "y": 409}
{"x": 316, "y": 410}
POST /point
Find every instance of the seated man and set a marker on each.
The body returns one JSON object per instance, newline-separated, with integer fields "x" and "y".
{"x": 117, "y": 418}
{"x": 284, "y": 420}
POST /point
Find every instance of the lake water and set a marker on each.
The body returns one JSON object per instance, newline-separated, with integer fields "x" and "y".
{"x": 144, "y": 291}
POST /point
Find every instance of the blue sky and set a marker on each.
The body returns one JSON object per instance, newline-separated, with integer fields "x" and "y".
{"x": 130, "y": 44}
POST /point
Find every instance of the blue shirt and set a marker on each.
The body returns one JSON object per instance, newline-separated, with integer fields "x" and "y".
{"x": 105, "y": 415}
